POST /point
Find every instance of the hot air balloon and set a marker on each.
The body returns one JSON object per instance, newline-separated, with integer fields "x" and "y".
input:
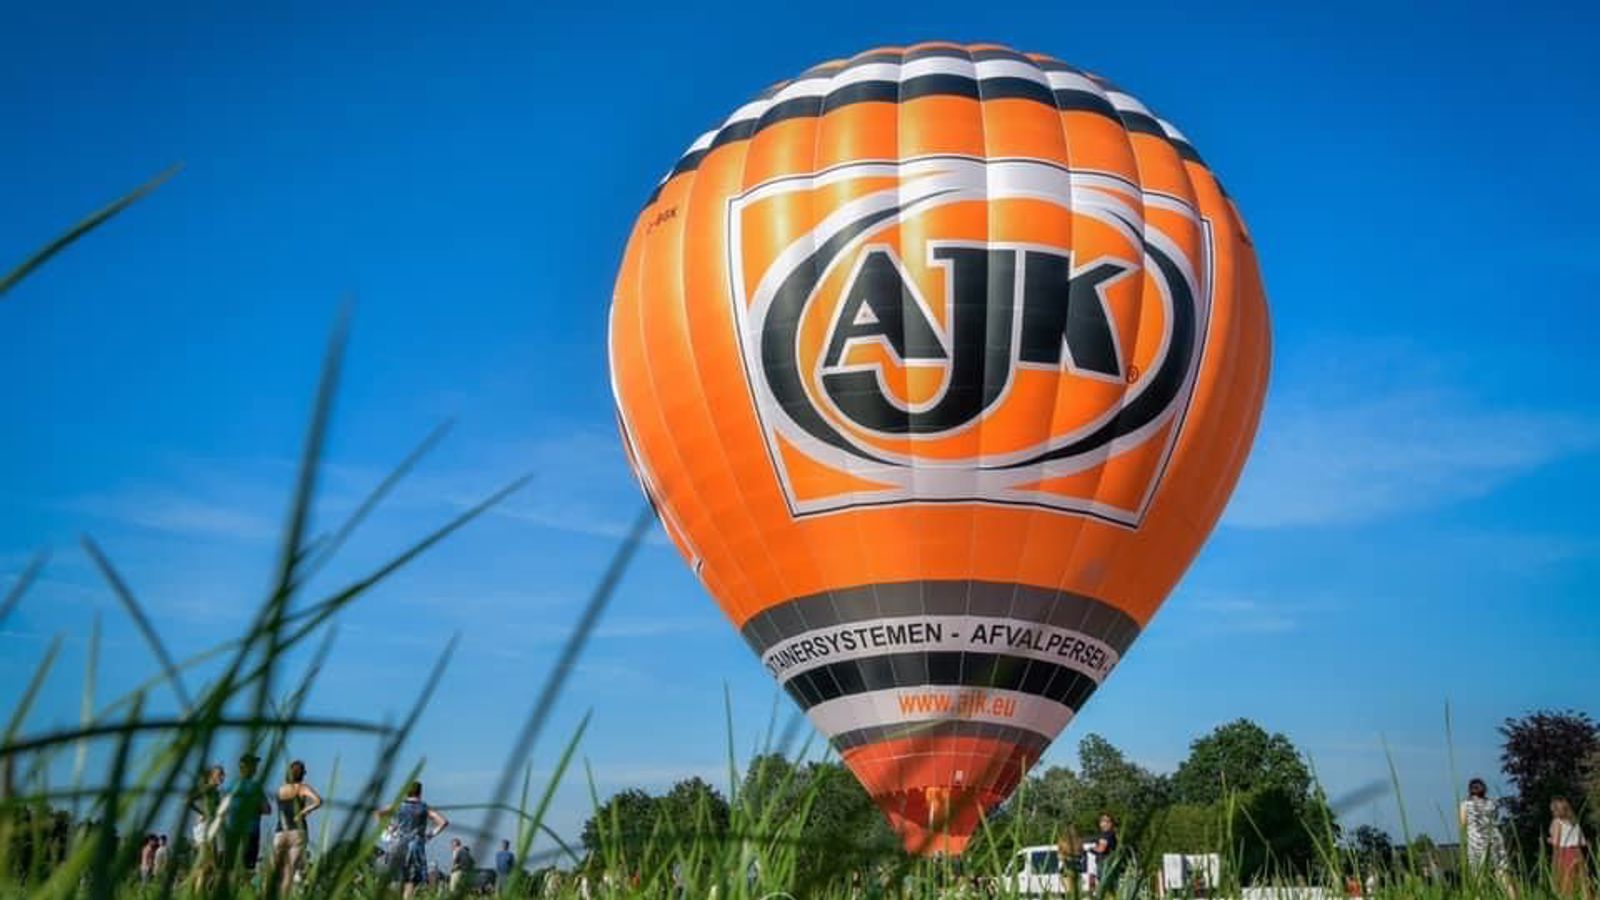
{"x": 939, "y": 364}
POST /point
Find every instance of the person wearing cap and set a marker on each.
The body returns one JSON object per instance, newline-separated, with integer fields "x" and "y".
{"x": 247, "y": 803}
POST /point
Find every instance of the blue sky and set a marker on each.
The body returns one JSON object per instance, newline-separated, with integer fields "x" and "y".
{"x": 1415, "y": 528}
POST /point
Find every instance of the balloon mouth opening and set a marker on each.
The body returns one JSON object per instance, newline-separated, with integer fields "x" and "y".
{"x": 936, "y": 789}
{"x": 936, "y": 821}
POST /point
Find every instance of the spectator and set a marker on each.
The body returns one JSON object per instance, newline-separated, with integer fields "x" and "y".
{"x": 163, "y": 853}
{"x": 1567, "y": 843}
{"x": 204, "y": 804}
{"x": 462, "y": 865}
{"x": 505, "y": 862}
{"x": 207, "y": 805}
{"x": 408, "y": 855}
{"x": 1104, "y": 850}
{"x": 147, "y": 858}
{"x": 247, "y": 802}
{"x": 296, "y": 802}
{"x": 1486, "y": 847}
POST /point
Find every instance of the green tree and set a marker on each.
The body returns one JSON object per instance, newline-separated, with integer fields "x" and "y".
{"x": 34, "y": 839}
{"x": 1267, "y": 805}
{"x": 1240, "y": 757}
{"x": 1542, "y": 756}
{"x": 694, "y": 810}
{"x": 1061, "y": 804}
{"x": 1108, "y": 782}
{"x": 1045, "y": 813}
{"x": 1039, "y": 812}
{"x": 621, "y": 829}
{"x": 772, "y": 785}
{"x": 1372, "y": 847}
{"x": 844, "y": 829}
{"x": 1591, "y": 786}
{"x": 1274, "y": 834}
{"x": 1187, "y": 828}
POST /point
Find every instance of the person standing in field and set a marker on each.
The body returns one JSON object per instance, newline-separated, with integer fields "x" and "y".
{"x": 462, "y": 865}
{"x": 147, "y": 859}
{"x": 1486, "y": 847}
{"x": 505, "y": 862}
{"x": 206, "y": 804}
{"x": 1567, "y": 844}
{"x": 1070, "y": 851}
{"x": 296, "y": 802}
{"x": 163, "y": 853}
{"x": 1104, "y": 850}
{"x": 455, "y": 863}
{"x": 247, "y": 802}
{"x": 408, "y": 855}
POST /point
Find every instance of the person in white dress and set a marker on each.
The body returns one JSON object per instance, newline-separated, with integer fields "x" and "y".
{"x": 1486, "y": 846}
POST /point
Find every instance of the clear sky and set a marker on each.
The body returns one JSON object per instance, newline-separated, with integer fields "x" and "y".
{"x": 1415, "y": 528}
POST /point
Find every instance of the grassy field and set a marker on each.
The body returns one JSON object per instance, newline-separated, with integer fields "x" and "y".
{"x": 253, "y": 695}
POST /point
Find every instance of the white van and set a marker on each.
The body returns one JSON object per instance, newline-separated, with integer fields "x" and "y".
{"x": 1037, "y": 872}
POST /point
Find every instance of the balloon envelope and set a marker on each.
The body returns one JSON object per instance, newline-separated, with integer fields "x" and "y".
{"x": 939, "y": 364}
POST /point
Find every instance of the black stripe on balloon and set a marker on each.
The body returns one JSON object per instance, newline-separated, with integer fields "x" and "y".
{"x": 953, "y": 668}
{"x": 936, "y": 85}
{"x": 1085, "y": 101}
{"x": 940, "y": 85}
{"x": 1021, "y": 603}
{"x": 793, "y": 108}
{"x": 741, "y": 130}
{"x": 1011, "y": 88}
{"x": 862, "y": 92}
{"x": 1186, "y": 151}
{"x": 1028, "y": 739}
{"x": 1139, "y": 123}
{"x": 689, "y": 161}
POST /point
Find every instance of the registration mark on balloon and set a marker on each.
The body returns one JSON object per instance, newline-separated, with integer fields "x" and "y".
{"x": 955, "y": 329}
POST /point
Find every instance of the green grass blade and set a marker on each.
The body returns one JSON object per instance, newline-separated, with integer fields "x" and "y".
{"x": 733, "y": 762}
{"x": 86, "y": 704}
{"x": 135, "y": 611}
{"x": 30, "y": 573}
{"x": 522, "y": 807}
{"x": 103, "y": 876}
{"x": 332, "y": 790}
{"x": 570, "y": 651}
{"x": 12, "y": 747}
{"x": 91, "y": 222}
{"x": 372, "y": 793}
{"x": 548, "y": 797}
{"x": 312, "y": 618}
{"x": 29, "y": 695}
{"x": 326, "y": 549}
{"x": 291, "y": 548}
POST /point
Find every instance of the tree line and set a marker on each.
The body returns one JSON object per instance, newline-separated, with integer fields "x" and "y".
{"x": 1241, "y": 791}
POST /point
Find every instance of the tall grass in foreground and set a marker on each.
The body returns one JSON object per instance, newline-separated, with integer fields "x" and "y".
{"x": 254, "y": 696}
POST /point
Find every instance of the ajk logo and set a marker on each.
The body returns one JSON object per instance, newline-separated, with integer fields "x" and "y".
{"x": 951, "y": 329}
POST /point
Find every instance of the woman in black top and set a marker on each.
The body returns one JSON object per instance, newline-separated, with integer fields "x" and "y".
{"x": 296, "y": 801}
{"x": 1103, "y": 850}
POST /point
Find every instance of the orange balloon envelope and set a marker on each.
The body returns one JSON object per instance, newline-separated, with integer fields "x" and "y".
{"x": 939, "y": 364}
